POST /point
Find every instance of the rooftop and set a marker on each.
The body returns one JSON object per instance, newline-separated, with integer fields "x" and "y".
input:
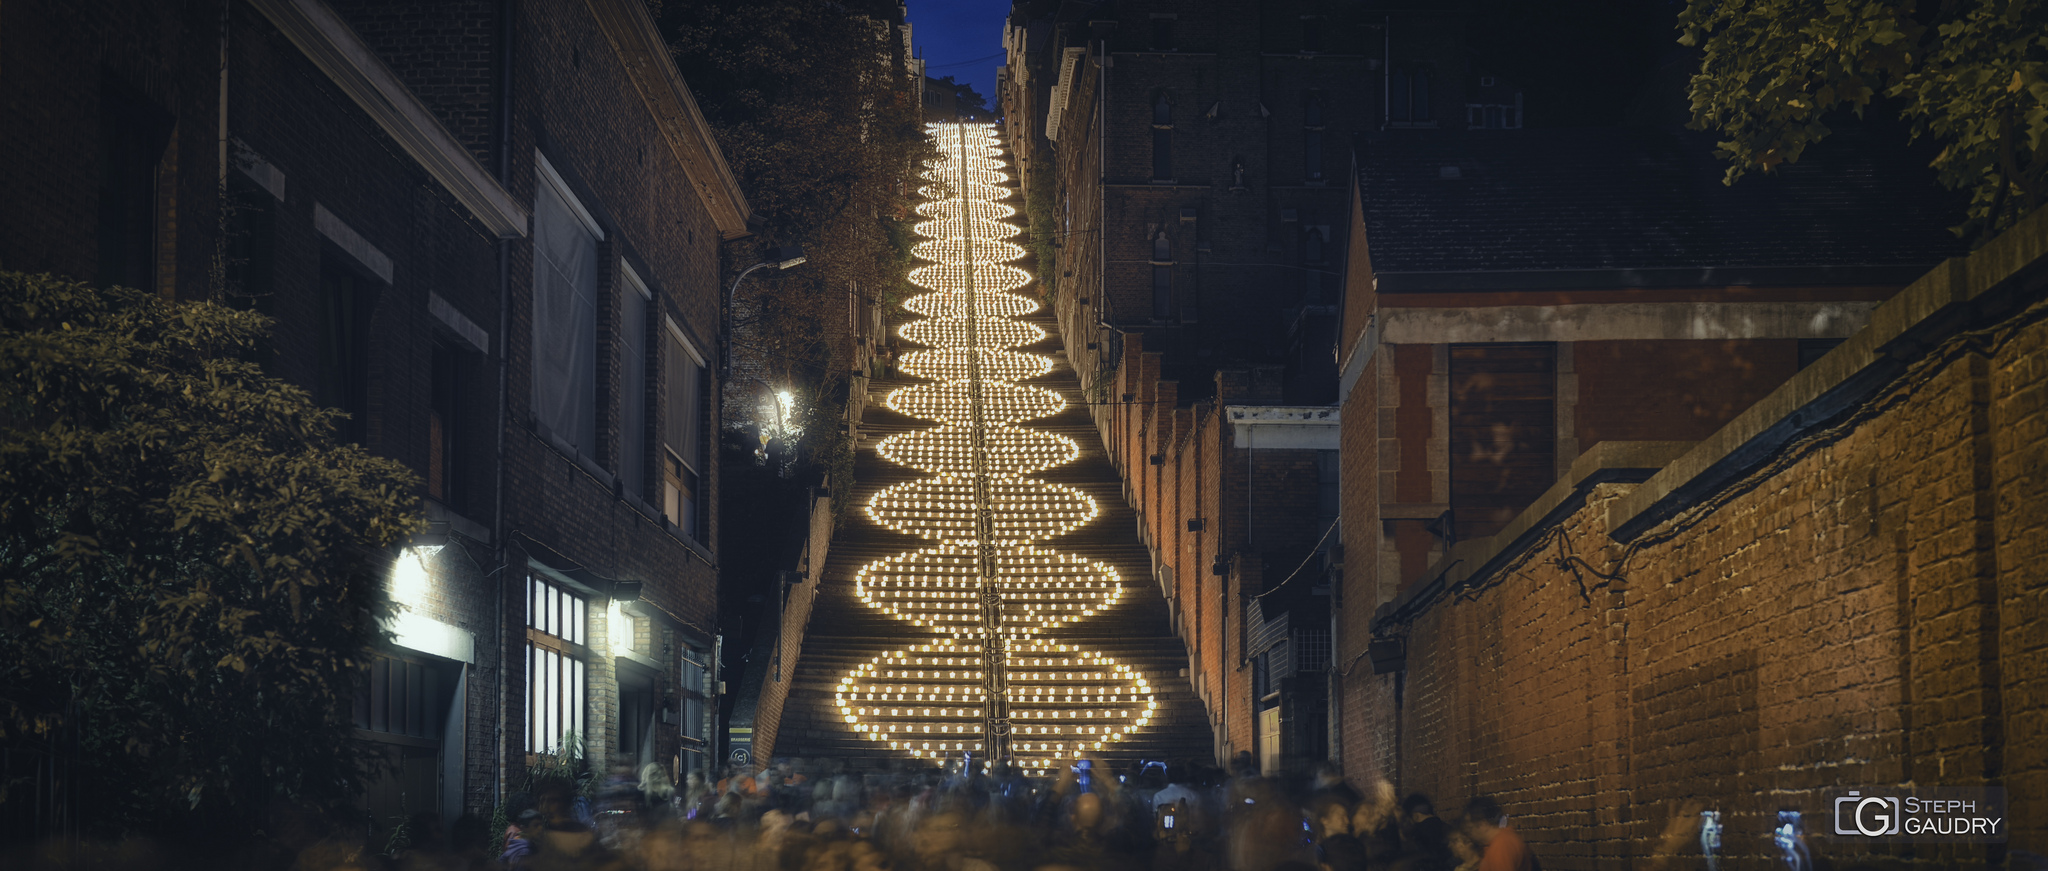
{"x": 1645, "y": 199}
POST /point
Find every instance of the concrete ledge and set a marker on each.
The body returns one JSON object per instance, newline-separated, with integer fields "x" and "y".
{"x": 1937, "y": 305}
{"x": 1607, "y": 462}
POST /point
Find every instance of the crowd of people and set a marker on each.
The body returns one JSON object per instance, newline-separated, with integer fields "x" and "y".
{"x": 793, "y": 816}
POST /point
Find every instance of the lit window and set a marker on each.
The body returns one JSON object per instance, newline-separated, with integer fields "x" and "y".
{"x": 682, "y": 458}
{"x": 555, "y": 673}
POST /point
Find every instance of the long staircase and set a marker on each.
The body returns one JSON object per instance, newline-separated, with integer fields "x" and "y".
{"x": 1100, "y": 672}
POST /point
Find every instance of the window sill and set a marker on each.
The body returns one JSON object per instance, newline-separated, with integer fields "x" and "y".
{"x": 677, "y": 533}
{"x": 439, "y": 512}
{"x": 570, "y": 453}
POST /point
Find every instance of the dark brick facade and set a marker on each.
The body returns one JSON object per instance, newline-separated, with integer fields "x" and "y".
{"x": 1833, "y": 591}
{"x": 1235, "y": 93}
{"x": 317, "y": 182}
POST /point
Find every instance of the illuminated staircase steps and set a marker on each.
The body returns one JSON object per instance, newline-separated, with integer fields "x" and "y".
{"x": 845, "y": 634}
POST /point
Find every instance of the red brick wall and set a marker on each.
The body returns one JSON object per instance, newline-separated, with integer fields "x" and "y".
{"x": 1670, "y": 390}
{"x": 1862, "y": 613}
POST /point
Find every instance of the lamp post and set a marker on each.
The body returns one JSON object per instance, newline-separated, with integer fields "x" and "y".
{"x": 780, "y": 258}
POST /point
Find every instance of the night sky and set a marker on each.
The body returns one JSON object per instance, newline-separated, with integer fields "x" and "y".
{"x": 962, "y": 39}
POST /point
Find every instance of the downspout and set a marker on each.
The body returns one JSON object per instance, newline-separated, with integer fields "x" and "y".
{"x": 504, "y": 384}
{"x": 219, "y": 283}
{"x": 1386, "y": 70}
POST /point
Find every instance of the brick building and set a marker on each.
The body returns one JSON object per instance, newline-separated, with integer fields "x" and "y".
{"x": 490, "y": 232}
{"x": 1184, "y": 171}
{"x": 1661, "y": 496}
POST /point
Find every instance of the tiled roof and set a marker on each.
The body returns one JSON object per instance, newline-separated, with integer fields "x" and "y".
{"x": 1622, "y": 199}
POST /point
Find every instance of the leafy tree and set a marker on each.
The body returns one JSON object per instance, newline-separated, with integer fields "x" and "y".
{"x": 817, "y": 117}
{"x": 965, "y": 98}
{"x": 184, "y": 548}
{"x": 1970, "y": 74}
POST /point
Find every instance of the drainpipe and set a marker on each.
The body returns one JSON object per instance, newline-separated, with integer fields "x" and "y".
{"x": 504, "y": 384}
{"x": 1386, "y": 71}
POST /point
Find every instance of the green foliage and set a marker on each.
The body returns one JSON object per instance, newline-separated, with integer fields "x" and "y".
{"x": 812, "y": 108}
{"x": 183, "y": 546}
{"x": 1038, "y": 196}
{"x": 1970, "y": 74}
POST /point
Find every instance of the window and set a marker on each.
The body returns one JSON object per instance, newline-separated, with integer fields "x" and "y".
{"x": 1408, "y": 96}
{"x": 696, "y": 727}
{"x": 133, "y": 133}
{"x": 1162, "y": 138}
{"x": 555, "y": 689}
{"x": 1311, "y": 34}
{"x": 634, "y": 301}
{"x": 1314, "y": 241}
{"x": 1489, "y": 116}
{"x": 1162, "y": 34}
{"x": 565, "y": 239}
{"x": 346, "y": 300}
{"x": 682, "y": 490}
{"x": 441, "y": 423}
{"x": 1312, "y": 137}
{"x": 251, "y": 243}
{"x": 403, "y": 697}
{"x": 1162, "y": 277}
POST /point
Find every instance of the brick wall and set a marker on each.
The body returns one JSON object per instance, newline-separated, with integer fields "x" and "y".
{"x": 768, "y": 701}
{"x": 1857, "y": 610}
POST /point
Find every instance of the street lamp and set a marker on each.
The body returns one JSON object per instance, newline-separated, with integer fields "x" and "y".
{"x": 780, "y": 258}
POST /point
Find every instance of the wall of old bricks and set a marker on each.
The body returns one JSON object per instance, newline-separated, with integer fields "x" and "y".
{"x": 768, "y": 700}
{"x": 560, "y": 509}
{"x": 1862, "y": 610}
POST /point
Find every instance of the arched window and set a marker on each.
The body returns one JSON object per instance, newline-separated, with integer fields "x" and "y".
{"x": 1162, "y": 248}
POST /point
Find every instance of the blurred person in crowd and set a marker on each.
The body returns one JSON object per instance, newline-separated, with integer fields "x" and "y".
{"x": 1341, "y": 853}
{"x": 1177, "y": 789}
{"x": 520, "y": 834}
{"x": 940, "y": 844}
{"x": 1264, "y": 828}
{"x": 1330, "y": 782}
{"x": 1328, "y": 816}
{"x": 1376, "y": 823}
{"x": 1427, "y": 837}
{"x": 1502, "y": 849}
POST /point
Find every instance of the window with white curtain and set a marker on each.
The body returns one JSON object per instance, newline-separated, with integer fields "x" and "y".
{"x": 565, "y": 275}
{"x": 555, "y": 673}
{"x": 634, "y": 303}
